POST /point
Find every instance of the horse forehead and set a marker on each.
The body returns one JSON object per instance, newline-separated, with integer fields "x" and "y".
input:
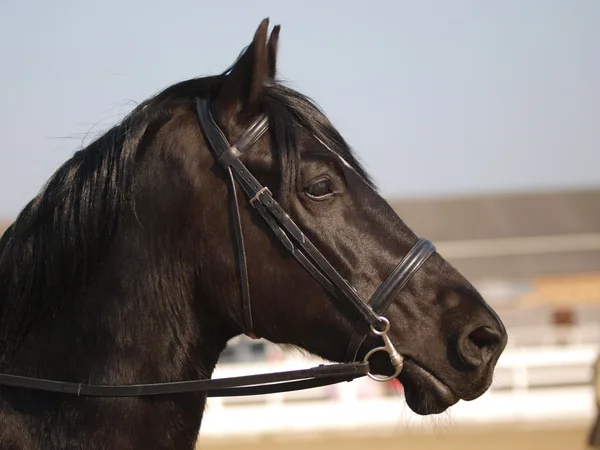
{"x": 344, "y": 162}
{"x": 334, "y": 153}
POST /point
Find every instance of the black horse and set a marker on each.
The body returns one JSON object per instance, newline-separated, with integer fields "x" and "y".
{"x": 126, "y": 269}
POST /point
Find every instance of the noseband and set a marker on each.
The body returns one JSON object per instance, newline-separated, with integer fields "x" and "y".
{"x": 370, "y": 312}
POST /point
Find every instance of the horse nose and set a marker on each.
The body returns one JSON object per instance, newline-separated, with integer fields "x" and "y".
{"x": 478, "y": 345}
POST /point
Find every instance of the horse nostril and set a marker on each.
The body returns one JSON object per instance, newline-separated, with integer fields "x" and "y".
{"x": 478, "y": 346}
{"x": 484, "y": 337}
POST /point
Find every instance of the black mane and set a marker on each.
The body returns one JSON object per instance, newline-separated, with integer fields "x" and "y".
{"x": 61, "y": 237}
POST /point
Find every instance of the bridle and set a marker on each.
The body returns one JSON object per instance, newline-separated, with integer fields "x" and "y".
{"x": 293, "y": 239}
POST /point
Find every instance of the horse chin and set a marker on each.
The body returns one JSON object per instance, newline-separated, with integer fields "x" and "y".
{"x": 425, "y": 393}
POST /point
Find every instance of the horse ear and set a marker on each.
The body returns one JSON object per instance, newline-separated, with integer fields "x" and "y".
{"x": 272, "y": 50}
{"x": 242, "y": 86}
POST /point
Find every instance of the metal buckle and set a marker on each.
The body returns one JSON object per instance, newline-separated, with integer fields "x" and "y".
{"x": 396, "y": 358}
{"x": 258, "y": 194}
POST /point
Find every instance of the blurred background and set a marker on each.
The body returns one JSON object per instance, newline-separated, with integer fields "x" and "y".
{"x": 479, "y": 121}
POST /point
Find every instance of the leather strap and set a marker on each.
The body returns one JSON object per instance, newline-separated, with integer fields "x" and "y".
{"x": 300, "y": 247}
{"x": 245, "y": 385}
{"x": 241, "y": 253}
{"x": 401, "y": 275}
{"x": 390, "y": 288}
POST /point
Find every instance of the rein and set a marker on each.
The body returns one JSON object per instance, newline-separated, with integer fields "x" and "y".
{"x": 267, "y": 383}
{"x": 291, "y": 236}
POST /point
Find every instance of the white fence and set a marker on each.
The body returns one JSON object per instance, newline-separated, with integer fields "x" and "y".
{"x": 531, "y": 384}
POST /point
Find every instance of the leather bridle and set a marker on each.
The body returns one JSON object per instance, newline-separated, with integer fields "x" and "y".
{"x": 293, "y": 239}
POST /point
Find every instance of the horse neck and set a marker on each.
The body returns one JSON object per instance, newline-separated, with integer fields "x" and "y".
{"x": 139, "y": 321}
{"x": 142, "y": 319}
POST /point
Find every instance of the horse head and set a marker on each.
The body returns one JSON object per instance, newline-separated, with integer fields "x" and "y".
{"x": 449, "y": 337}
{"x": 224, "y": 205}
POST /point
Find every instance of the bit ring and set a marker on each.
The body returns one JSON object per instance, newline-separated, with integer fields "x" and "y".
{"x": 395, "y": 358}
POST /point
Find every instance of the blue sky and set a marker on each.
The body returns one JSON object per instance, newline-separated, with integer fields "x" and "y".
{"x": 436, "y": 97}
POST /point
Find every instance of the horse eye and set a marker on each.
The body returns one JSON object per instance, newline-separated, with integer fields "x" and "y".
{"x": 319, "y": 190}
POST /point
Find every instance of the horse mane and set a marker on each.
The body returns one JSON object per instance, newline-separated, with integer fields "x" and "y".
{"x": 63, "y": 234}
{"x": 61, "y": 238}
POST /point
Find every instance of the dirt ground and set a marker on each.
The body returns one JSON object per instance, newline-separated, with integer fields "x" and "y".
{"x": 513, "y": 437}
